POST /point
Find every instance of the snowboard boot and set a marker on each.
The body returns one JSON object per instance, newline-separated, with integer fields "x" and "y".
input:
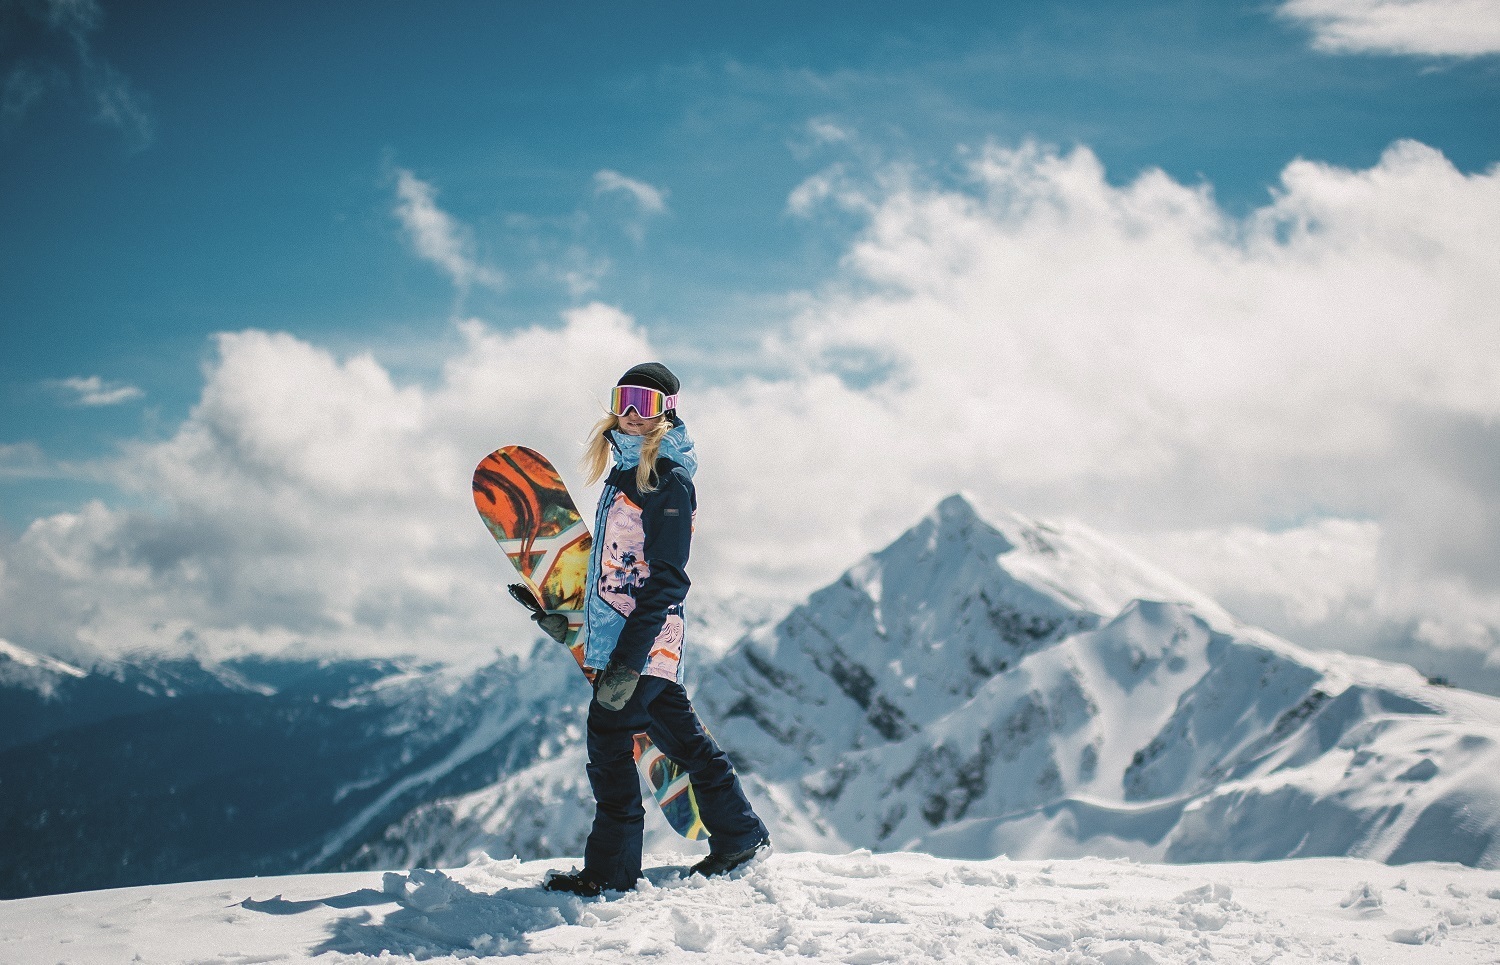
{"x": 721, "y": 864}
{"x": 583, "y": 883}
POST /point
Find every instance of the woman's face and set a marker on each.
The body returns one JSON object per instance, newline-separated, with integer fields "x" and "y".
{"x": 632, "y": 424}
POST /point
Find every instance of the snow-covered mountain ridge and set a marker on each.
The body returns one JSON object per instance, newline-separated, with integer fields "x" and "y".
{"x": 1030, "y": 689}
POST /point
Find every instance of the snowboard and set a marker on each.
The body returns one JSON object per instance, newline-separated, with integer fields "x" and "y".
{"x": 527, "y": 509}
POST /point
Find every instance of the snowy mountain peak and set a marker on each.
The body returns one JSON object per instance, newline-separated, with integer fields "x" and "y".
{"x": 916, "y": 631}
{"x": 1071, "y": 564}
{"x": 956, "y": 510}
{"x": 952, "y": 531}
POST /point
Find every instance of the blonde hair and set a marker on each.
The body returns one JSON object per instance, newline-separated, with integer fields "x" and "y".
{"x": 598, "y": 456}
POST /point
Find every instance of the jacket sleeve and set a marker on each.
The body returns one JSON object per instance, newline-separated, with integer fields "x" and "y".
{"x": 667, "y": 523}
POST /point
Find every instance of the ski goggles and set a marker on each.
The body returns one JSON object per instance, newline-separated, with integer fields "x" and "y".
{"x": 647, "y": 403}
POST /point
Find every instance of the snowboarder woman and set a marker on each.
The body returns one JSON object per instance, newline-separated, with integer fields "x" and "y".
{"x": 633, "y": 619}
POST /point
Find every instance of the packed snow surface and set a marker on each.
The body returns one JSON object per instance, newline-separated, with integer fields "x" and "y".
{"x": 856, "y": 908}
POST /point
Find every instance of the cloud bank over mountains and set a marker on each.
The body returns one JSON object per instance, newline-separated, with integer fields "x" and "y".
{"x": 1290, "y": 409}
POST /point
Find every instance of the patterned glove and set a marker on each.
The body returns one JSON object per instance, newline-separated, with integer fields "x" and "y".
{"x": 616, "y": 684}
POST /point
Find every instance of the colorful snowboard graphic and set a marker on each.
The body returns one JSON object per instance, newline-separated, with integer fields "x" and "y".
{"x": 526, "y": 507}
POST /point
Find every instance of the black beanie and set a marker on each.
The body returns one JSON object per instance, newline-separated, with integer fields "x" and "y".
{"x": 652, "y": 375}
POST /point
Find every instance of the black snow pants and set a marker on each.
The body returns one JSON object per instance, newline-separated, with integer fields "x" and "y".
{"x": 659, "y": 708}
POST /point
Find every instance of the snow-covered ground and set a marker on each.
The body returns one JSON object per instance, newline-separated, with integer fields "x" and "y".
{"x": 856, "y": 908}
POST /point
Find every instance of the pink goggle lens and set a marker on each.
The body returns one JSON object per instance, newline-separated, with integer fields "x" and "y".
{"x": 648, "y": 403}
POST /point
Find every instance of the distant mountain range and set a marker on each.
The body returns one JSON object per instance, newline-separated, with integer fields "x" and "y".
{"x": 975, "y": 688}
{"x": 154, "y": 770}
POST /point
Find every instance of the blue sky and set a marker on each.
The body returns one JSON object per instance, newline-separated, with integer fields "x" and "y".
{"x": 177, "y": 170}
{"x": 260, "y": 192}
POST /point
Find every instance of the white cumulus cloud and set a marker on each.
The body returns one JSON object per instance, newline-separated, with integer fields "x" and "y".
{"x": 1304, "y": 576}
{"x": 649, "y": 199}
{"x": 1457, "y": 28}
{"x": 437, "y": 236}
{"x": 93, "y": 391}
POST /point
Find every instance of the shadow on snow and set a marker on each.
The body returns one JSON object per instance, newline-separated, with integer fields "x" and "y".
{"x": 437, "y": 916}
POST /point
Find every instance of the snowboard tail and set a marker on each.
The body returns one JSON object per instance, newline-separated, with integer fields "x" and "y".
{"x": 672, "y": 789}
{"x": 527, "y": 509}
